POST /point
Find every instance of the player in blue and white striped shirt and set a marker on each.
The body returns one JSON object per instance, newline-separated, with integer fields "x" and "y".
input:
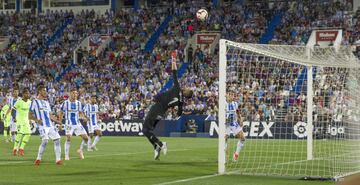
{"x": 72, "y": 109}
{"x": 91, "y": 110}
{"x": 233, "y": 124}
{"x": 40, "y": 112}
{"x": 11, "y": 101}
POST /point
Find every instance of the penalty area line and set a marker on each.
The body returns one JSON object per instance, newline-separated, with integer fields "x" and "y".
{"x": 189, "y": 179}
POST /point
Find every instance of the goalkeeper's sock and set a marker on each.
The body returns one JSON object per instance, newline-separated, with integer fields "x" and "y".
{"x": 42, "y": 148}
{"x": 17, "y": 141}
{"x": 239, "y": 146}
{"x": 57, "y": 149}
{"x": 96, "y": 140}
{"x": 25, "y": 140}
{"x": 67, "y": 148}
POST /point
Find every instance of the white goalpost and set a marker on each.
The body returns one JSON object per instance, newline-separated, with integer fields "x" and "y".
{"x": 299, "y": 107}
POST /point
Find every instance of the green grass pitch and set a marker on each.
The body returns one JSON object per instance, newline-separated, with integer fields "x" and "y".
{"x": 127, "y": 160}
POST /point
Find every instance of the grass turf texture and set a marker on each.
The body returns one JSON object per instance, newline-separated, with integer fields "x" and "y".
{"x": 126, "y": 160}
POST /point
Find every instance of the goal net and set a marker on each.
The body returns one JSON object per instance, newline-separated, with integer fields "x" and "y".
{"x": 298, "y": 108}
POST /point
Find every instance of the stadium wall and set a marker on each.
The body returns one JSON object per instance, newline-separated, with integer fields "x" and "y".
{"x": 207, "y": 128}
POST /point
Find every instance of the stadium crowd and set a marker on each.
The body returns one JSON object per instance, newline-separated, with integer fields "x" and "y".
{"x": 126, "y": 78}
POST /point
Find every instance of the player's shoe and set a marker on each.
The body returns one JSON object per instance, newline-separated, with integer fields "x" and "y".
{"x": 90, "y": 149}
{"x": 21, "y": 152}
{"x": 67, "y": 158}
{"x": 14, "y": 152}
{"x": 157, "y": 153}
{"x": 37, "y": 162}
{"x": 164, "y": 148}
{"x": 81, "y": 154}
{"x": 7, "y": 140}
{"x": 59, "y": 162}
{"x": 93, "y": 147}
{"x": 235, "y": 156}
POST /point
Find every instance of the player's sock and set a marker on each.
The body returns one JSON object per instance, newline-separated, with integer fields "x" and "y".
{"x": 96, "y": 140}
{"x": 17, "y": 141}
{"x": 239, "y": 146}
{"x": 42, "y": 149}
{"x": 82, "y": 144}
{"x": 89, "y": 142}
{"x": 25, "y": 140}
{"x": 67, "y": 148}
{"x": 154, "y": 139}
{"x": 5, "y": 133}
{"x": 57, "y": 149}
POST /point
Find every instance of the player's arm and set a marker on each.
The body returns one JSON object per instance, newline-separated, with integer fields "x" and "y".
{"x": 13, "y": 110}
{"x": 8, "y": 112}
{"x": 61, "y": 113}
{"x": 55, "y": 119}
{"x": 61, "y": 116}
{"x": 2, "y": 115}
{"x": 174, "y": 70}
{"x": 83, "y": 116}
{"x": 33, "y": 117}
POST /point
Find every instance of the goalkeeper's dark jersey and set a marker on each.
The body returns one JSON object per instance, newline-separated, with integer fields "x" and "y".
{"x": 172, "y": 97}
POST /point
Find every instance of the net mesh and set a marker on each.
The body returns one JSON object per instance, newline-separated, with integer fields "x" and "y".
{"x": 270, "y": 85}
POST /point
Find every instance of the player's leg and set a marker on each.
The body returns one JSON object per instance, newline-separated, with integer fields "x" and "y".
{"x": 6, "y": 133}
{"x": 80, "y": 131}
{"x": 13, "y": 130}
{"x": 69, "y": 130}
{"x": 17, "y": 141}
{"x": 148, "y": 132}
{"x": 41, "y": 151}
{"x": 157, "y": 144}
{"x": 91, "y": 134}
{"x": 97, "y": 138}
{"x": 26, "y": 132}
{"x": 239, "y": 145}
{"x": 6, "y": 130}
{"x": 42, "y": 147}
{"x": 54, "y": 135}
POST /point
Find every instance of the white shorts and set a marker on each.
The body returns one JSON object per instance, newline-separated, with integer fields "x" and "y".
{"x": 13, "y": 127}
{"x": 233, "y": 129}
{"x": 49, "y": 133}
{"x": 77, "y": 129}
{"x": 92, "y": 128}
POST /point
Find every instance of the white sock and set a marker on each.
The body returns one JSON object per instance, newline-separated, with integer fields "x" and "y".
{"x": 67, "y": 148}
{"x": 42, "y": 148}
{"x": 89, "y": 142}
{"x": 239, "y": 146}
{"x": 96, "y": 140}
{"x": 57, "y": 149}
{"x": 82, "y": 144}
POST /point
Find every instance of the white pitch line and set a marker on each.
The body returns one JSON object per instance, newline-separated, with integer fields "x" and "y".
{"x": 92, "y": 156}
{"x": 189, "y": 179}
{"x": 12, "y": 162}
{"x": 133, "y": 153}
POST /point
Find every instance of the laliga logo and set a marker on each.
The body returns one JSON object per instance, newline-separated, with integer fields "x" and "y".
{"x": 300, "y": 129}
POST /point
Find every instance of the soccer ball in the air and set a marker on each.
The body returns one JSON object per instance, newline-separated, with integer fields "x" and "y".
{"x": 202, "y": 14}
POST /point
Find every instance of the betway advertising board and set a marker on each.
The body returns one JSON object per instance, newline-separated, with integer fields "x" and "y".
{"x": 281, "y": 130}
{"x": 114, "y": 127}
